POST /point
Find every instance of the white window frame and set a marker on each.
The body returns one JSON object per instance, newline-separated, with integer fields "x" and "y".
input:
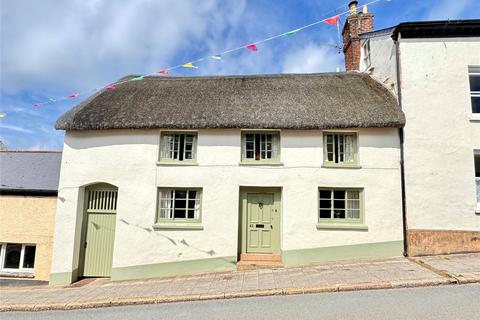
{"x": 367, "y": 60}
{"x": 171, "y": 159}
{"x": 275, "y": 150}
{"x": 474, "y": 71}
{"x": 21, "y": 269}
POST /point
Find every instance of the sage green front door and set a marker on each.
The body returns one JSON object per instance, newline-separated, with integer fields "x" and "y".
{"x": 262, "y": 229}
{"x": 100, "y": 232}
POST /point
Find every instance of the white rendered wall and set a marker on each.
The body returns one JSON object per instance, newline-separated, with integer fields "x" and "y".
{"x": 440, "y": 137}
{"x": 128, "y": 160}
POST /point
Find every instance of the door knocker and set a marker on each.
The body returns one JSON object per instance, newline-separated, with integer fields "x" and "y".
{"x": 260, "y": 205}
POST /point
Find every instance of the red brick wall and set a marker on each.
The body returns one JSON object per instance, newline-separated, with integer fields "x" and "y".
{"x": 356, "y": 24}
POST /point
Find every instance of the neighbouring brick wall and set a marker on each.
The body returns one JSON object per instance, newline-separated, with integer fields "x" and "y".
{"x": 30, "y": 220}
{"x": 431, "y": 242}
{"x": 355, "y": 25}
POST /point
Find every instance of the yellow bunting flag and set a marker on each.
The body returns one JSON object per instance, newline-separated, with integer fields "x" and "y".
{"x": 2, "y": 114}
{"x": 189, "y": 65}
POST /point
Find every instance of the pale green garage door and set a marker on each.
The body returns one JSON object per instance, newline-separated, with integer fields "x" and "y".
{"x": 100, "y": 232}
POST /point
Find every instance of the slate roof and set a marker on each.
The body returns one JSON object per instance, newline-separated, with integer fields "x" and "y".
{"x": 29, "y": 171}
{"x": 284, "y": 101}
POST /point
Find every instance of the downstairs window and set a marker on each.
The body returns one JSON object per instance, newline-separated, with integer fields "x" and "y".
{"x": 179, "y": 205}
{"x": 17, "y": 257}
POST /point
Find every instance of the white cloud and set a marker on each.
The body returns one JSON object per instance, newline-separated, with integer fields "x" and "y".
{"x": 83, "y": 43}
{"x": 15, "y": 128}
{"x": 312, "y": 58}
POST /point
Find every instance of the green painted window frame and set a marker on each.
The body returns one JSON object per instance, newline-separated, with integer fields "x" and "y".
{"x": 179, "y": 223}
{"x": 172, "y": 161}
{"x": 275, "y": 150}
{"x": 355, "y": 163}
{"x": 341, "y": 223}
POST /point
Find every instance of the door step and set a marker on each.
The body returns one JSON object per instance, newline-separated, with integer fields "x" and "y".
{"x": 259, "y": 261}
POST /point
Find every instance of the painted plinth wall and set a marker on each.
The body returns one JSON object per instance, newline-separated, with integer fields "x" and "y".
{"x": 30, "y": 220}
{"x": 440, "y": 139}
{"x": 127, "y": 159}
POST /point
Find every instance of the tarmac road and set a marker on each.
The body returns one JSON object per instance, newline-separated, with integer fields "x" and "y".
{"x": 441, "y": 302}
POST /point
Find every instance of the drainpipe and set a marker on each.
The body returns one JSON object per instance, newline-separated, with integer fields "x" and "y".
{"x": 402, "y": 153}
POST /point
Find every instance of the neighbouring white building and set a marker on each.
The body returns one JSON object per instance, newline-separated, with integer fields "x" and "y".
{"x": 191, "y": 174}
{"x": 434, "y": 69}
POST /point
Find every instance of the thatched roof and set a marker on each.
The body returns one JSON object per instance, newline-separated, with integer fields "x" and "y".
{"x": 286, "y": 101}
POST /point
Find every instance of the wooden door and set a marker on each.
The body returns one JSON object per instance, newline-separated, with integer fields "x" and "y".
{"x": 261, "y": 227}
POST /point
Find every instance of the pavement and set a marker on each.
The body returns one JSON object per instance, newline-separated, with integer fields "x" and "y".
{"x": 333, "y": 277}
{"x": 426, "y": 303}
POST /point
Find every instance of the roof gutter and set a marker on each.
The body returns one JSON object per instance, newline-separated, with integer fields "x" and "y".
{"x": 28, "y": 192}
{"x": 402, "y": 151}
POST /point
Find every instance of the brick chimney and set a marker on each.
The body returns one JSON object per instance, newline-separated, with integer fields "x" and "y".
{"x": 356, "y": 24}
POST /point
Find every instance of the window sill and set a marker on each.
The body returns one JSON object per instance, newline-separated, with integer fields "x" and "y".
{"x": 16, "y": 273}
{"x": 177, "y": 226}
{"x": 260, "y": 163}
{"x": 342, "y": 226}
{"x": 177, "y": 163}
{"x": 475, "y": 117}
{"x": 341, "y": 166}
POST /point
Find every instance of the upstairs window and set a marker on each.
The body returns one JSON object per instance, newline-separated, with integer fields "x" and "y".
{"x": 366, "y": 54}
{"x": 178, "y": 147}
{"x": 340, "y": 149}
{"x": 474, "y": 77}
{"x": 261, "y": 146}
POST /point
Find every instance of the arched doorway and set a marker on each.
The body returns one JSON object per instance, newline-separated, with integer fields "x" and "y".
{"x": 98, "y": 230}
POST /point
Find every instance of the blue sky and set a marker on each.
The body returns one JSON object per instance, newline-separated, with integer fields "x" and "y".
{"x": 50, "y": 48}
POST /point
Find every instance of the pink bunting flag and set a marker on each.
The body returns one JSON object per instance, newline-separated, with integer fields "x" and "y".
{"x": 73, "y": 95}
{"x": 38, "y": 104}
{"x": 332, "y": 20}
{"x": 164, "y": 71}
{"x": 111, "y": 86}
{"x": 252, "y": 47}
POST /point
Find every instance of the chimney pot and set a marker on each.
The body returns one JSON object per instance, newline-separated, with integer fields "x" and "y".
{"x": 364, "y": 9}
{"x": 352, "y": 6}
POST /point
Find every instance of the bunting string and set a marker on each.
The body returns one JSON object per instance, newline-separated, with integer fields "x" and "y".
{"x": 252, "y": 47}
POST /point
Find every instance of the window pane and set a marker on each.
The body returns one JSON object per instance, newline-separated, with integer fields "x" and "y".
{"x": 29, "y": 257}
{"x": 325, "y": 214}
{"x": 339, "y": 194}
{"x": 325, "y": 204}
{"x": 325, "y": 194}
{"x": 191, "y": 214}
{"x": 339, "y": 214}
{"x": 474, "y": 82}
{"x": 192, "y": 194}
{"x": 179, "y": 214}
{"x": 180, "y": 203}
{"x": 477, "y": 165}
{"x": 180, "y": 194}
{"x": 12, "y": 256}
{"x": 476, "y": 104}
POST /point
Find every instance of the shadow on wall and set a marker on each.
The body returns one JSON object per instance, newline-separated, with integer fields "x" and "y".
{"x": 177, "y": 243}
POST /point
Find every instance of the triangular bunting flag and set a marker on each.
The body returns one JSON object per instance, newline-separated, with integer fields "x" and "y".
{"x": 164, "y": 71}
{"x": 2, "y": 115}
{"x": 252, "y": 47}
{"x": 73, "y": 95}
{"x": 216, "y": 57}
{"x": 332, "y": 20}
{"x": 137, "y": 78}
{"x": 189, "y": 65}
{"x": 111, "y": 86}
{"x": 38, "y": 104}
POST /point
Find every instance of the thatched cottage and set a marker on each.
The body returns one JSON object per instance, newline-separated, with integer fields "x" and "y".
{"x": 191, "y": 174}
